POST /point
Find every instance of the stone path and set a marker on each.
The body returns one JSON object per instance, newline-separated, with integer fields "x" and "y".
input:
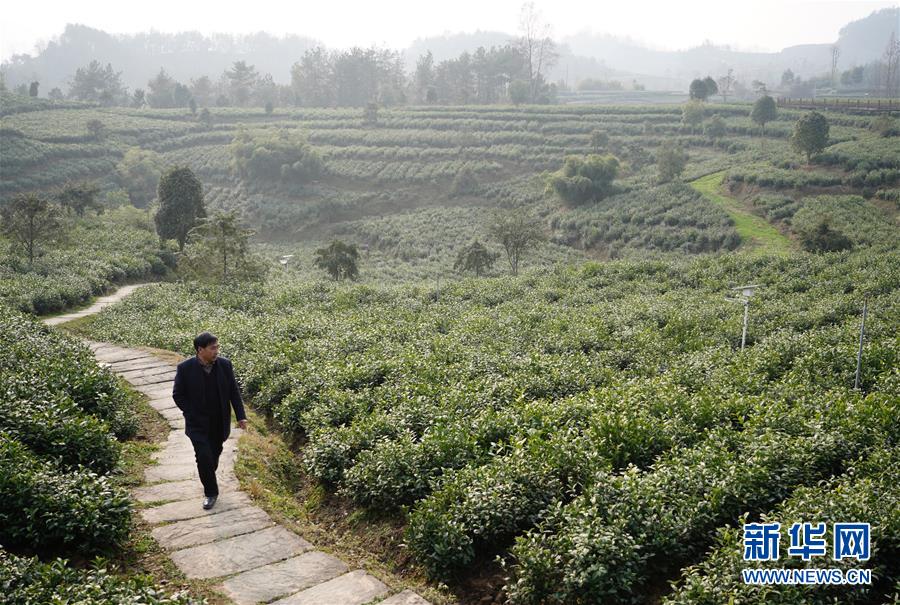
{"x": 254, "y": 559}
{"x": 96, "y": 307}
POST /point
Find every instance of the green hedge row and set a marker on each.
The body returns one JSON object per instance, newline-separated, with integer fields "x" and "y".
{"x": 28, "y": 581}
{"x": 60, "y": 414}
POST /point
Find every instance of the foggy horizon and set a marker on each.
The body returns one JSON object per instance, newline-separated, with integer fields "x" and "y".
{"x": 760, "y": 27}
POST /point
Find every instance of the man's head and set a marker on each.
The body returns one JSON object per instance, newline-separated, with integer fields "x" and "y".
{"x": 207, "y": 347}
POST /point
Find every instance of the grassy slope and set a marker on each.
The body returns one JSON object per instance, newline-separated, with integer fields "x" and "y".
{"x": 756, "y": 233}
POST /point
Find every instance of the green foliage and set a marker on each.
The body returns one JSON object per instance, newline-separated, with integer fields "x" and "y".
{"x": 885, "y": 125}
{"x": 30, "y": 221}
{"x": 475, "y": 257}
{"x": 588, "y": 418}
{"x": 98, "y": 252}
{"x": 701, "y": 90}
{"x": 869, "y": 490}
{"x": 31, "y": 371}
{"x": 464, "y": 183}
{"x": 181, "y": 206}
{"x": 97, "y": 84}
{"x": 139, "y": 172}
{"x": 370, "y": 114}
{"x": 79, "y": 197}
{"x": 664, "y": 516}
{"x": 764, "y": 111}
{"x": 810, "y": 134}
{"x": 584, "y": 179}
{"x": 669, "y": 218}
{"x": 218, "y": 250}
{"x": 850, "y": 215}
{"x": 11, "y": 103}
{"x": 338, "y": 259}
{"x": 97, "y": 130}
{"x": 715, "y": 127}
{"x": 519, "y": 91}
{"x": 73, "y": 509}
{"x": 693, "y": 114}
{"x": 823, "y": 238}
{"x": 59, "y": 419}
{"x": 517, "y": 233}
{"x": 670, "y": 162}
{"x": 599, "y": 140}
{"x": 283, "y": 155}
{"x": 766, "y": 175}
{"x": 29, "y": 581}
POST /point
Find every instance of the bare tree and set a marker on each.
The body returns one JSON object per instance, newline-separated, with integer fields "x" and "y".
{"x": 536, "y": 46}
{"x": 835, "y": 55}
{"x": 891, "y": 63}
{"x": 726, "y": 83}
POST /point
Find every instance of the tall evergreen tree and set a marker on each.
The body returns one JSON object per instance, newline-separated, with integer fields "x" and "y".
{"x": 180, "y": 196}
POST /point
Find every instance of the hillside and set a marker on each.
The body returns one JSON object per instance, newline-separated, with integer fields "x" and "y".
{"x": 593, "y": 428}
{"x": 389, "y": 186}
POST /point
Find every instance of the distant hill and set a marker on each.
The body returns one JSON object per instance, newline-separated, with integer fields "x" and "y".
{"x": 187, "y": 55}
{"x": 860, "y": 42}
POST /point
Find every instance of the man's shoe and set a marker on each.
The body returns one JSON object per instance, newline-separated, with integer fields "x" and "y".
{"x": 208, "y": 502}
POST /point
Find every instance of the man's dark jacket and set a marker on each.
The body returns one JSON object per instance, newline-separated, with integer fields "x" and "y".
{"x": 187, "y": 391}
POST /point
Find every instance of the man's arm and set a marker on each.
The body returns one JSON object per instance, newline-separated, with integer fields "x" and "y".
{"x": 236, "y": 402}
{"x": 179, "y": 393}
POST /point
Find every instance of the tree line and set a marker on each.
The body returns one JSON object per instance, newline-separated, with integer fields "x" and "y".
{"x": 514, "y": 72}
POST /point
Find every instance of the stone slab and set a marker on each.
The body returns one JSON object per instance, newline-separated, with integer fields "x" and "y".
{"x": 407, "y": 597}
{"x": 353, "y": 588}
{"x": 170, "y": 490}
{"x": 154, "y": 379}
{"x": 202, "y": 530}
{"x": 285, "y": 577}
{"x": 156, "y": 391}
{"x": 116, "y": 354}
{"x": 171, "y": 413}
{"x": 240, "y": 553}
{"x": 188, "y": 509}
{"x": 172, "y": 472}
{"x": 143, "y": 363}
{"x": 186, "y": 489}
{"x": 162, "y": 403}
{"x": 145, "y": 372}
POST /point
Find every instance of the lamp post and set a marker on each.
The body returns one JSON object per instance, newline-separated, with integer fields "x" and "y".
{"x": 746, "y": 293}
{"x": 284, "y": 260}
{"x": 862, "y": 335}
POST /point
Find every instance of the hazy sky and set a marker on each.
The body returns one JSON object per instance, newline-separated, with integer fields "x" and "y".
{"x": 664, "y": 24}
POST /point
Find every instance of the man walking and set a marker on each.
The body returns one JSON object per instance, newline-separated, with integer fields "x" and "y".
{"x": 203, "y": 386}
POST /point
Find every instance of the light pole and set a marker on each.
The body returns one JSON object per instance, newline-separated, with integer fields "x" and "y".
{"x": 284, "y": 260}
{"x": 746, "y": 293}
{"x": 862, "y": 334}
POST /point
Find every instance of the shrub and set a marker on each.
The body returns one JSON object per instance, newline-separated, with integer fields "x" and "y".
{"x": 584, "y": 179}
{"x": 42, "y": 506}
{"x": 28, "y": 581}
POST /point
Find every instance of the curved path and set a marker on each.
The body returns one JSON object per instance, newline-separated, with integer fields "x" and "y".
{"x": 757, "y": 234}
{"x": 255, "y": 559}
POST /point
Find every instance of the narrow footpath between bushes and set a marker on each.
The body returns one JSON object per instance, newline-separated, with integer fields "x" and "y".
{"x": 235, "y": 542}
{"x": 757, "y": 234}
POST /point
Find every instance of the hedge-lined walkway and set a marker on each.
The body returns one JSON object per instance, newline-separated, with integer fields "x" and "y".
{"x": 235, "y": 541}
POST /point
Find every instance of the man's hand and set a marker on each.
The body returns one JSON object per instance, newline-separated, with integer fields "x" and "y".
{"x": 243, "y": 423}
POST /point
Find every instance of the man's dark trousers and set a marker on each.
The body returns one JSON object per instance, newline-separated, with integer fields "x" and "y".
{"x": 204, "y": 399}
{"x": 207, "y": 450}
